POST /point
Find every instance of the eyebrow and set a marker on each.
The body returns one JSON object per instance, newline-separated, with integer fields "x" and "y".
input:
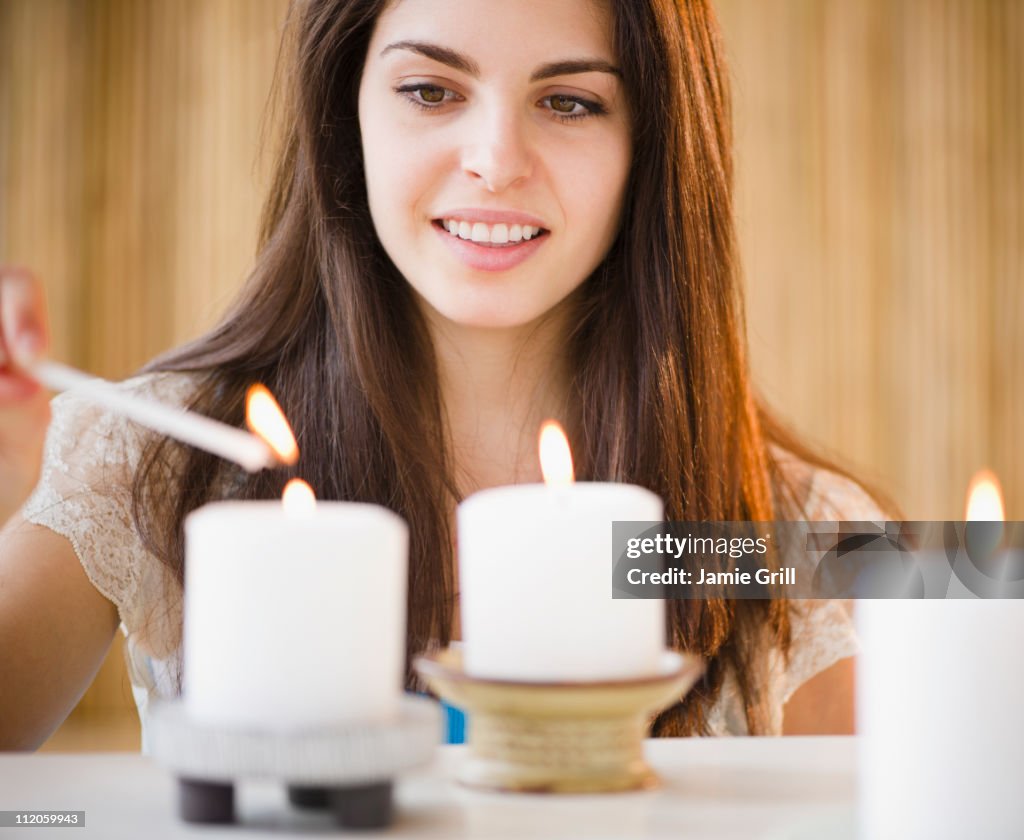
{"x": 465, "y": 64}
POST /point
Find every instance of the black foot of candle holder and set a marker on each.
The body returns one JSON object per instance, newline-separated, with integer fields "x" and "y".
{"x": 308, "y": 797}
{"x": 206, "y": 802}
{"x": 348, "y": 771}
{"x": 365, "y": 806}
{"x": 359, "y": 806}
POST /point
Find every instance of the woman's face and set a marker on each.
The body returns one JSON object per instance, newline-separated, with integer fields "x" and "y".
{"x": 505, "y": 122}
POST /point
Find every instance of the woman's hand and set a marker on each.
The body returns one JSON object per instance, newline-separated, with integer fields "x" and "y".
{"x": 24, "y": 403}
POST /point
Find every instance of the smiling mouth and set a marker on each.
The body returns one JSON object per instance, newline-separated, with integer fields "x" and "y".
{"x": 492, "y": 236}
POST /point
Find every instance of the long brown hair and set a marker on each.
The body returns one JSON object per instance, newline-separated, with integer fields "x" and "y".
{"x": 660, "y": 383}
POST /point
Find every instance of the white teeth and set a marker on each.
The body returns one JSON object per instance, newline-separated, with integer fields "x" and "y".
{"x": 499, "y": 234}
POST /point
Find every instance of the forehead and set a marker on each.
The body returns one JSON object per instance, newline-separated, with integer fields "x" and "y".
{"x": 499, "y": 34}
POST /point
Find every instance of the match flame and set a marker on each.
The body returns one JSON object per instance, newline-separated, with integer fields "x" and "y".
{"x": 264, "y": 417}
{"x": 298, "y": 499}
{"x": 984, "y": 498}
{"x": 555, "y": 457}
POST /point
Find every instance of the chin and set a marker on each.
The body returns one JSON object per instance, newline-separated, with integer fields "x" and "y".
{"x": 490, "y": 309}
{"x": 487, "y": 319}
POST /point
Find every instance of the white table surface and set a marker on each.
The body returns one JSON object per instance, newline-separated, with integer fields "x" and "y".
{"x": 798, "y": 788}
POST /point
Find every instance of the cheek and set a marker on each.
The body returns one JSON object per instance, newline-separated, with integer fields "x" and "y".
{"x": 398, "y": 176}
{"x": 384, "y": 186}
{"x": 593, "y": 184}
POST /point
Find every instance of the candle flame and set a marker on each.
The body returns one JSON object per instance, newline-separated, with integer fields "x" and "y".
{"x": 298, "y": 499}
{"x": 266, "y": 419}
{"x": 555, "y": 456}
{"x": 984, "y": 498}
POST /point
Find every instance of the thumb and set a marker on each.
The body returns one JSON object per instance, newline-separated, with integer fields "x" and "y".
{"x": 22, "y": 318}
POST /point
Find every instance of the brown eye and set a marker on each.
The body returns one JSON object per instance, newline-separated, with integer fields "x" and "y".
{"x": 563, "y": 104}
{"x": 432, "y": 95}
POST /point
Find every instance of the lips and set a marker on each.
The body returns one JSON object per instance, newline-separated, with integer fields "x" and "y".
{"x": 490, "y": 256}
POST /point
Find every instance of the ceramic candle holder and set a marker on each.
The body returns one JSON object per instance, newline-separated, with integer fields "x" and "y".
{"x": 558, "y": 737}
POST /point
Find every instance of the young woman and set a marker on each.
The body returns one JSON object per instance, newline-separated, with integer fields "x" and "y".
{"x": 485, "y": 214}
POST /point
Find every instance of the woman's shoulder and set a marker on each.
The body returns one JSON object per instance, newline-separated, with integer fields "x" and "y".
{"x": 172, "y": 387}
{"x": 822, "y": 631}
{"x": 84, "y": 494}
{"x": 837, "y": 497}
{"x": 89, "y": 447}
{"x": 824, "y": 494}
{"x": 90, "y": 434}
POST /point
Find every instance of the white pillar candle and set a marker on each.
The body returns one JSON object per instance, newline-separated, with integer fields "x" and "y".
{"x": 294, "y": 622}
{"x": 939, "y": 699}
{"x": 535, "y": 570}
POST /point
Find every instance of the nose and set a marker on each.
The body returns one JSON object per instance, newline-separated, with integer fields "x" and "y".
{"x": 497, "y": 150}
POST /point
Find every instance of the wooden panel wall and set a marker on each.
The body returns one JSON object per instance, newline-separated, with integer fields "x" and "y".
{"x": 129, "y": 137}
{"x": 879, "y": 201}
{"x": 880, "y": 147}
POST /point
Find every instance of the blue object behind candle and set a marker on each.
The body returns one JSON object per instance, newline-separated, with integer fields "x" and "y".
{"x": 455, "y": 724}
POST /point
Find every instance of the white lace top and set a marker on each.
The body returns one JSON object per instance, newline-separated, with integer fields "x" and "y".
{"x": 84, "y": 494}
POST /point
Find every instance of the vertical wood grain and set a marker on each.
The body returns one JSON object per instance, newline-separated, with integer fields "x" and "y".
{"x": 879, "y": 191}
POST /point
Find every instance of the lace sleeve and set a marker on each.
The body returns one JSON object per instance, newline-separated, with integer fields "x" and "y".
{"x": 84, "y": 494}
{"x": 822, "y": 630}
